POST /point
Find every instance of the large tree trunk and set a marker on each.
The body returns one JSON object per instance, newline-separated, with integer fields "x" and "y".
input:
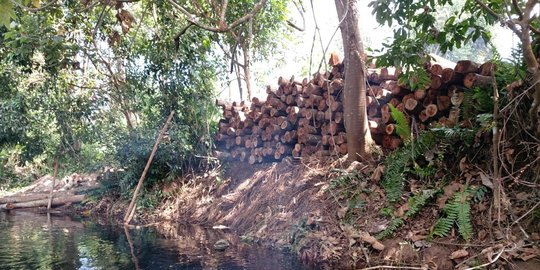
{"x": 355, "y": 111}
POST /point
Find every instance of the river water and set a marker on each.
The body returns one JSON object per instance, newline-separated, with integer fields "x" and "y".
{"x": 37, "y": 241}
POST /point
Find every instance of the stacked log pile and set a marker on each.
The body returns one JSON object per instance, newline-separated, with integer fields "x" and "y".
{"x": 304, "y": 118}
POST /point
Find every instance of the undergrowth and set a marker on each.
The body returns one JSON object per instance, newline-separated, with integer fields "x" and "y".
{"x": 349, "y": 187}
{"x": 458, "y": 212}
{"x": 421, "y": 159}
{"x": 415, "y": 203}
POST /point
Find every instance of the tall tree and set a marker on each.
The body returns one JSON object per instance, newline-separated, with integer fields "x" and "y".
{"x": 247, "y": 29}
{"x": 355, "y": 111}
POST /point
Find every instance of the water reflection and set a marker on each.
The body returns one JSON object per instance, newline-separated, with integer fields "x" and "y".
{"x": 34, "y": 241}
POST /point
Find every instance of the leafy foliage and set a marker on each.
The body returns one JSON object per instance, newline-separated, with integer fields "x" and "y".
{"x": 77, "y": 82}
{"x": 350, "y": 188}
{"x": 402, "y": 125}
{"x": 420, "y": 157}
{"x": 458, "y": 212}
{"x": 417, "y": 26}
{"x": 415, "y": 203}
{"x": 393, "y": 225}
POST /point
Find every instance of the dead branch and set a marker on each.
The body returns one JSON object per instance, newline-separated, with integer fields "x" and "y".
{"x": 131, "y": 209}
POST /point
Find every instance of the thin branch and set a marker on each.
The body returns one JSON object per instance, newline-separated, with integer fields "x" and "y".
{"x": 490, "y": 262}
{"x": 511, "y": 23}
{"x": 230, "y": 56}
{"x": 524, "y": 215}
{"x": 335, "y": 32}
{"x": 177, "y": 37}
{"x": 45, "y": 6}
{"x": 98, "y": 23}
{"x": 318, "y": 30}
{"x": 222, "y": 28}
{"x": 518, "y": 9}
{"x": 301, "y": 10}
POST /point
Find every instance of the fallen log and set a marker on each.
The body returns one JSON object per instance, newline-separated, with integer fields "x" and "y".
{"x": 32, "y": 197}
{"x": 57, "y": 201}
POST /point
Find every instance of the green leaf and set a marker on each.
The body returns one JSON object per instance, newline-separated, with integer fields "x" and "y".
{"x": 402, "y": 125}
{"x": 6, "y": 12}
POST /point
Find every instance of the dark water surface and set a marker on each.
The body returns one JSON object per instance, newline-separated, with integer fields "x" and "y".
{"x": 34, "y": 241}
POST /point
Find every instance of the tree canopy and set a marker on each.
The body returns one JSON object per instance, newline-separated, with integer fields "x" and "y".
{"x": 91, "y": 81}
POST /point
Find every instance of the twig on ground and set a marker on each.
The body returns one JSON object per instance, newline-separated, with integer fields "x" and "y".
{"x": 524, "y": 215}
{"x": 488, "y": 263}
{"x": 484, "y": 251}
{"x": 395, "y": 267}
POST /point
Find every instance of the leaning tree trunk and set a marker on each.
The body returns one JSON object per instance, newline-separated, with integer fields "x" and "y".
{"x": 355, "y": 111}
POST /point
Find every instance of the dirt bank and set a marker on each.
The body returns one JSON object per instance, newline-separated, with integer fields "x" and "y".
{"x": 305, "y": 207}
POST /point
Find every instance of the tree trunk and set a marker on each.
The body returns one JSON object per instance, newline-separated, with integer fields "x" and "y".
{"x": 355, "y": 111}
{"x": 246, "y": 49}
{"x": 239, "y": 81}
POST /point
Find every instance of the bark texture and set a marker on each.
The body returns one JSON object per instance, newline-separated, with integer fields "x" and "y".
{"x": 355, "y": 111}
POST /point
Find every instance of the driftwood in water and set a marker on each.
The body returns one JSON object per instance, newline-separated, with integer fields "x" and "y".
{"x": 43, "y": 202}
{"x": 33, "y": 197}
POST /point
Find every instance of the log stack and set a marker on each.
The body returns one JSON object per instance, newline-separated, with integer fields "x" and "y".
{"x": 305, "y": 118}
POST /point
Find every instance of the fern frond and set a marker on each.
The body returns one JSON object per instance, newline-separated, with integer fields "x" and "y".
{"x": 418, "y": 201}
{"x": 483, "y": 100}
{"x": 464, "y": 220}
{"x": 442, "y": 227}
{"x": 393, "y": 225}
{"x": 396, "y": 166}
{"x": 402, "y": 125}
{"x": 457, "y": 211}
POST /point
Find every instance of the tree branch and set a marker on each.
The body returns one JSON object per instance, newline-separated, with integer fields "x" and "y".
{"x": 518, "y": 9}
{"x": 177, "y": 37}
{"x": 511, "y": 23}
{"x": 222, "y": 22}
{"x": 528, "y": 53}
{"x": 222, "y": 28}
{"x": 301, "y": 11}
{"x": 34, "y": 9}
{"x": 230, "y": 56}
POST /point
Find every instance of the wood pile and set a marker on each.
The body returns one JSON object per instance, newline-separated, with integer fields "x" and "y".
{"x": 305, "y": 118}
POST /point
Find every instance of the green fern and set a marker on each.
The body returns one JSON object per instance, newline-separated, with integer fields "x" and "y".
{"x": 458, "y": 212}
{"x": 404, "y": 160}
{"x": 416, "y": 203}
{"x": 402, "y": 125}
{"x": 393, "y": 225}
{"x": 468, "y": 104}
{"x": 442, "y": 227}
{"x": 479, "y": 193}
{"x": 397, "y": 165}
{"x": 463, "y": 220}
